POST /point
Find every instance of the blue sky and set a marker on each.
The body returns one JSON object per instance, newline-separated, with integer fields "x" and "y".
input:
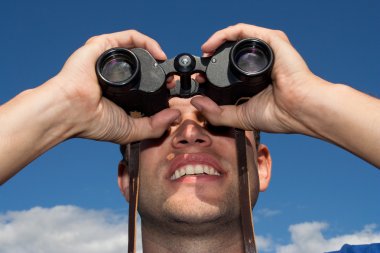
{"x": 315, "y": 186}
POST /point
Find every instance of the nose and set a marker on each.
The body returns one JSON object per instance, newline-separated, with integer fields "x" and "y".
{"x": 190, "y": 133}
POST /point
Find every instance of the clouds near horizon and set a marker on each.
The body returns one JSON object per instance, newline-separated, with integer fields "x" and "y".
{"x": 64, "y": 229}
{"x": 308, "y": 237}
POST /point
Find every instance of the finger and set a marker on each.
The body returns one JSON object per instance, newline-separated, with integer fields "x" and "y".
{"x": 234, "y": 33}
{"x": 170, "y": 82}
{"x": 208, "y": 54}
{"x": 141, "y": 40}
{"x": 151, "y": 127}
{"x": 170, "y": 79}
{"x": 128, "y": 39}
{"x": 200, "y": 78}
{"x": 227, "y": 115}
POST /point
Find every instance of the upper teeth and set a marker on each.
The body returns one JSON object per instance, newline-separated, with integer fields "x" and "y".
{"x": 194, "y": 170}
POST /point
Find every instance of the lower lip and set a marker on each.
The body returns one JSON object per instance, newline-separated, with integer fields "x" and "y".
{"x": 197, "y": 179}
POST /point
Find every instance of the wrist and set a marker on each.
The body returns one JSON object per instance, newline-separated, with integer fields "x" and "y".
{"x": 40, "y": 118}
{"x": 57, "y": 115}
{"x": 36, "y": 121}
{"x": 321, "y": 110}
{"x": 302, "y": 104}
{"x": 347, "y": 118}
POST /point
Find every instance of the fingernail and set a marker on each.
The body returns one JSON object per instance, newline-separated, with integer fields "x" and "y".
{"x": 163, "y": 53}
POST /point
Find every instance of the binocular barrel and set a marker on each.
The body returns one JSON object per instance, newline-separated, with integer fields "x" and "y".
{"x": 134, "y": 80}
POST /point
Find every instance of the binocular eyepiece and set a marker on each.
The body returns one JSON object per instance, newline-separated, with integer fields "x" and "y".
{"x": 134, "y": 80}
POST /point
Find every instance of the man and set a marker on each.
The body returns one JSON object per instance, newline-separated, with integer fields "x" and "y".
{"x": 189, "y": 198}
{"x": 188, "y": 213}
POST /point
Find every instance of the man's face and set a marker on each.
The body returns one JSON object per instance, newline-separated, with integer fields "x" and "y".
{"x": 190, "y": 174}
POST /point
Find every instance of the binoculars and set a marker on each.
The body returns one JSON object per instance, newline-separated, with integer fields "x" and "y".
{"x": 135, "y": 81}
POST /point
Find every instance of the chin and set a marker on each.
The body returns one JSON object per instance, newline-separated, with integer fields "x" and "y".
{"x": 199, "y": 219}
{"x": 190, "y": 210}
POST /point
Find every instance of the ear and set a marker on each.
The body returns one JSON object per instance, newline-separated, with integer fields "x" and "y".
{"x": 123, "y": 179}
{"x": 264, "y": 163}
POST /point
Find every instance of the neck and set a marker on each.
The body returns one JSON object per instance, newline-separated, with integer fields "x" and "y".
{"x": 186, "y": 238}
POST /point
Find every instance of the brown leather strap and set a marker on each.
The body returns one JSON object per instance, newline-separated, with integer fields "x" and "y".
{"x": 244, "y": 192}
{"x": 134, "y": 164}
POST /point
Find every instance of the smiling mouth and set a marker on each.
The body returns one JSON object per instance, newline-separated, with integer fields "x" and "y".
{"x": 194, "y": 169}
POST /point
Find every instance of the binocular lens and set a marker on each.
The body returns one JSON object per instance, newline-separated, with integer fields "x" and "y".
{"x": 117, "y": 67}
{"x": 117, "y": 70}
{"x": 251, "y": 60}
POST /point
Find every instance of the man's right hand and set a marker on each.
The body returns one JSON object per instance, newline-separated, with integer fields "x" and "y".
{"x": 71, "y": 105}
{"x": 95, "y": 117}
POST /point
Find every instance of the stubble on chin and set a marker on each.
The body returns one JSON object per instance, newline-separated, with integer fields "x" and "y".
{"x": 193, "y": 216}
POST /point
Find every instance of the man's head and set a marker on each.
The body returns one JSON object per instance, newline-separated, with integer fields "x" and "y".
{"x": 189, "y": 175}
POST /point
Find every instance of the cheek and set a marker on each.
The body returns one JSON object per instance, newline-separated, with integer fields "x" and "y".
{"x": 152, "y": 162}
{"x": 149, "y": 162}
{"x": 150, "y": 190}
{"x": 151, "y": 152}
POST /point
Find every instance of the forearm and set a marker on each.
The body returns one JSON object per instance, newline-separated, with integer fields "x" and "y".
{"x": 346, "y": 117}
{"x": 31, "y": 123}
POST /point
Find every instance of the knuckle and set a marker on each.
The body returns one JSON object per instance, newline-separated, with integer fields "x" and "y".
{"x": 281, "y": 34}
{"x": 109, "y": 41}
{"x": 241, "y": 25}
{"x": 95, "y": 39}
{"x": 105, "y": 39}
{"x": 134, "y": 32}
{"x": 129, "y": 129}
{"x": 243, "y": 116}
{"x": 245, "y": 30}
{"x": 92, "y": 39}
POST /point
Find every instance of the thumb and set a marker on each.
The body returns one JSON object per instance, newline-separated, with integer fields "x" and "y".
{"x": 150, "y": 127}
{"x": 226, "y": 115}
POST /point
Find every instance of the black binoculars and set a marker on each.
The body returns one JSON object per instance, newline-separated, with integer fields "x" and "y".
{"x": 135, "y": 81}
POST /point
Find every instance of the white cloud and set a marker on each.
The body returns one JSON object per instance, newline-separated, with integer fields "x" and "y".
{"x": 308, "y": 237}
{"x": 267, "y": 212}
{"x": 264, "y": 244}
{"x": 63, "y": 229}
